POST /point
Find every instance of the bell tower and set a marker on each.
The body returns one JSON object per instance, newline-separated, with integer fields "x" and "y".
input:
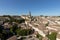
{"x": 30, "y": 14}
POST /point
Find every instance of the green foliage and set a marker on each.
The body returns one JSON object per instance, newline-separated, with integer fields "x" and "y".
{"x": 4, "y": 31}
{"x": 16, "y": 20}
{"x": 0, "y": 30}
{"x": 2, "y": 36}
{"x": 52, "y": 36}
{"x": 46, "y": 16}
{"x": 21, "y": 20}
{"x": 23, "y": 32}
{"x": 39, "y": 36}
{"x": 46, "y": 24}
{"x": 6, "y": 34}
{"x": 13, "y": 20}
{"x": 13, "y": 29}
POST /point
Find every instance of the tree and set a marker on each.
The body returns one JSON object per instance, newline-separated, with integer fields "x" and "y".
{"x": 46, "y": 24}
{"x": 1, "y": 28}
{"x": 14, "y": 28}
{"x": 23, "y": 32}
{"x": 21, "y": 20}
{"x": 6, "y": 34}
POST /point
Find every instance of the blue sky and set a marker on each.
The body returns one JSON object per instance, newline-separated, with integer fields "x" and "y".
{"x": 37, "y": 7}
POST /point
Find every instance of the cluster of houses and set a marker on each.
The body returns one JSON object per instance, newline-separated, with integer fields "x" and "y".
{"x": 45, "y": 25}
{"x": 6, "y": 25}
{"x": 42, "y": 25}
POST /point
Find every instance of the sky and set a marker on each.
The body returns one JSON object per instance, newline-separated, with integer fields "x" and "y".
{"x": 37, "y": 7}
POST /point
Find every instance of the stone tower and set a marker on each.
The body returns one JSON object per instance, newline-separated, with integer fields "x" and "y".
{"x": 30, "y": 15}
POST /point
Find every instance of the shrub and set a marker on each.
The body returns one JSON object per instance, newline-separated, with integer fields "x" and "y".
{"x": 52, "y": 36}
